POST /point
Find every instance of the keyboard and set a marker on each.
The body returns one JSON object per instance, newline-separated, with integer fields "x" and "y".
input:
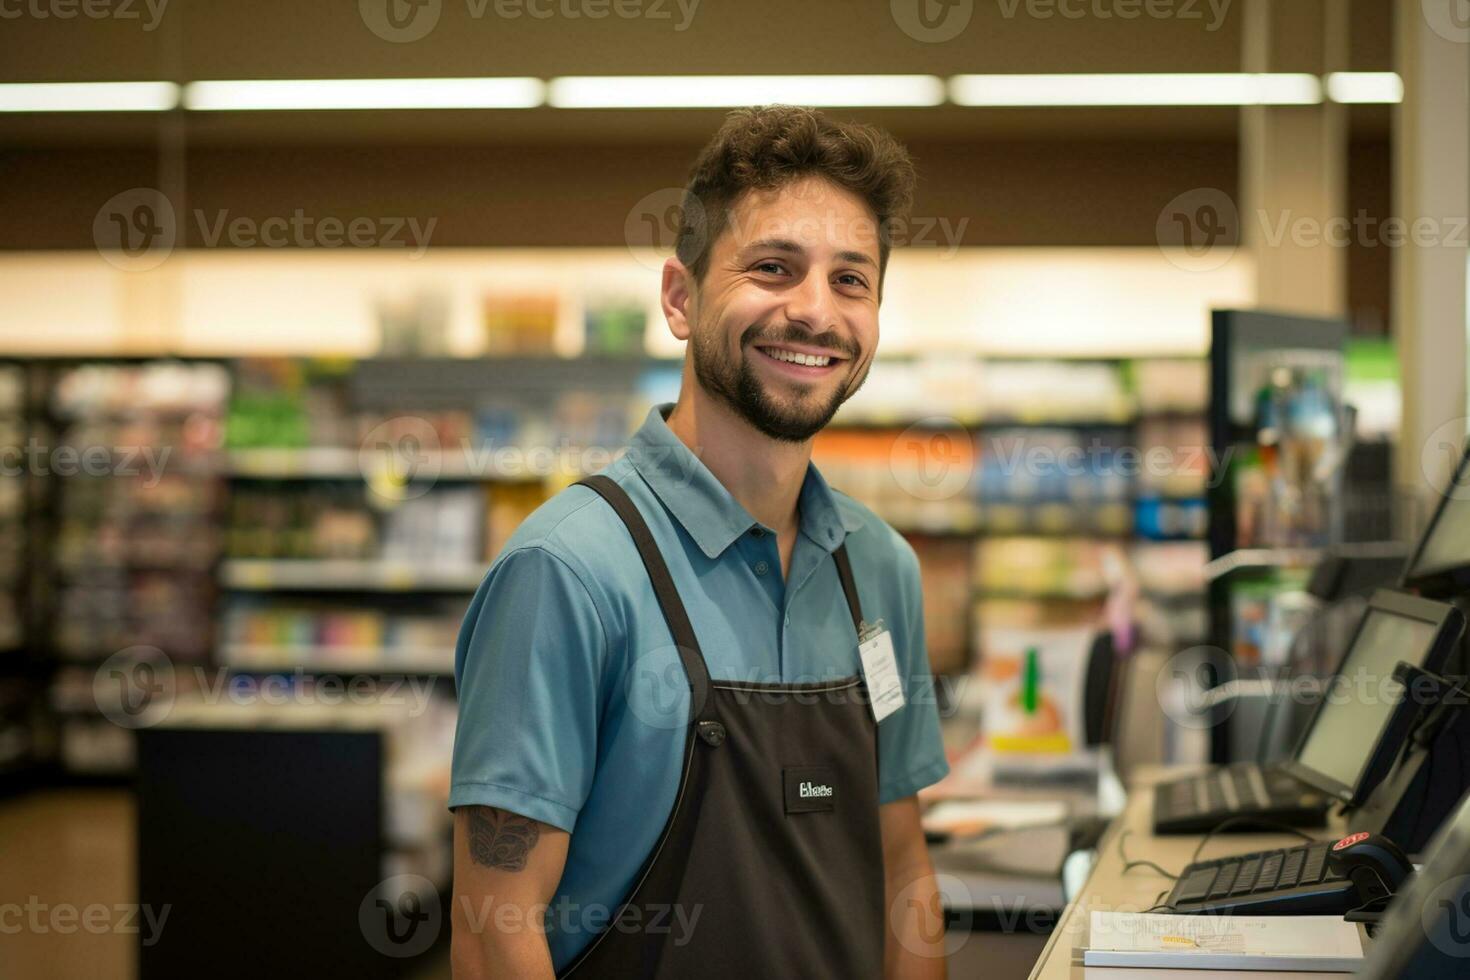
{"x": 1293, "y": 881}
{"x": 1198, "y": 804}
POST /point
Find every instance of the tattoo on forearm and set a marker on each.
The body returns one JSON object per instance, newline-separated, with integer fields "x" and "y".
{"x": 501, "y": 840}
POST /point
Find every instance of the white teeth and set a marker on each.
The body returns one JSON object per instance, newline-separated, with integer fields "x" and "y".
{"x": 810, "y": 360}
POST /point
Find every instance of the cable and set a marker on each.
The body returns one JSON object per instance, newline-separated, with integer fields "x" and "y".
{"x": 1130, "y": 865}
{"x": 1254, "y": 822}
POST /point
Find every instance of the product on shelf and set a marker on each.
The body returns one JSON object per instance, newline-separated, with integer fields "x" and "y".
{"x": 519, "y": 324}
{"x": 945, "y": 563}
{"x": 137, "y": 507}
{"x": 615, "y": 325}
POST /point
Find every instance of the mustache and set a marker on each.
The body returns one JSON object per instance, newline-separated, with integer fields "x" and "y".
{"x": 792, "y": 334}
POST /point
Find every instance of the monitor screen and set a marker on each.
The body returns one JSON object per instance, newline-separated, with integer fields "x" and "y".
{"x": 1361, "y": 697}
{"x": 1448, "y": 543}
{"x": 1426, "y": 934}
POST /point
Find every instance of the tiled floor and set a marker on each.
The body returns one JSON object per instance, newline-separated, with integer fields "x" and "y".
{"x": 66, "y": 865}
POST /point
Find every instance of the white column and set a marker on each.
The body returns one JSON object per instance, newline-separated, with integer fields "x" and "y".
{"x": 1431, "y": 142}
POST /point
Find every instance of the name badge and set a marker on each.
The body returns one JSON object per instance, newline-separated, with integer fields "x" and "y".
{"x": 880, "y": 672}
{"x": 809, "y": 789}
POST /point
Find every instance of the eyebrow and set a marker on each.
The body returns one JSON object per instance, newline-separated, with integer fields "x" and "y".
{"x": 791, "y": 247}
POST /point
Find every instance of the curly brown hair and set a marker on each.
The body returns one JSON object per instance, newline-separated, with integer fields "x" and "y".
{"x": 767, "y": 146}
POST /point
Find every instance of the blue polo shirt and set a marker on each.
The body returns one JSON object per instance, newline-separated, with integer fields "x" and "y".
{"x": 572, "y": 700}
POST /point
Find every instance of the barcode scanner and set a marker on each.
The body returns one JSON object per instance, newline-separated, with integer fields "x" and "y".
{"x": 1375, "y": 864}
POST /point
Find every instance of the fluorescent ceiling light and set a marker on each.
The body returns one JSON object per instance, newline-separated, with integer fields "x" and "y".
{"x": 722, "y": 91}
{"x": 88, "y": 96}
{"x": 1199, "y": 89}
{"x": 1365, "y": 86}
{"x": 367, "y": 93}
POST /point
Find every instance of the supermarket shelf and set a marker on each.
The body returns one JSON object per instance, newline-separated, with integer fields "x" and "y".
{"x": 348, "y": 576}
{"x": 256, "y": 658}
{"x": 1043, "y": 595}
{"x": 1245, "y": 558}
{"x": 940, "y": 422}
{"x": 333, "y": 463}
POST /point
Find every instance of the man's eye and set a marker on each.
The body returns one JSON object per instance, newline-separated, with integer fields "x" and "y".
{"x": 850, "y": 279}
{"x": 773, "y": 267}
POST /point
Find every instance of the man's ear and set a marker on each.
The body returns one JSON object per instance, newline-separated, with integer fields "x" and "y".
{"x": 677, "y": 296}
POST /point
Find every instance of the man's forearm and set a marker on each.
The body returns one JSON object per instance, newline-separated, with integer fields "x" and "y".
{"x": 503, "y": 881}
{"x": 485, "y": 956}
{"x": 915, "y": 946}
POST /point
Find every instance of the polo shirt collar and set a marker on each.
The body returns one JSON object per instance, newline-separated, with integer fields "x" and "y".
{"x": 700, "y": 502}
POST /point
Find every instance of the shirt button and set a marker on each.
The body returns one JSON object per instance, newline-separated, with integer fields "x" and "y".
{"x": 761, "y": 568}
{"x": 756, "y": 532}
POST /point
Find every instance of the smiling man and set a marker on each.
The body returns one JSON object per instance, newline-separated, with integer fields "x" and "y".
{"x": 695, "y": 703}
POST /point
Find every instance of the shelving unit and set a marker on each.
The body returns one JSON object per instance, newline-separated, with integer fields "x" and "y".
{"x": 124, "y": 532}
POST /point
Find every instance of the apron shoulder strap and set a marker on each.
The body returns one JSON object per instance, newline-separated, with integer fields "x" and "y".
{"x": 663, "y": 587}
{"x": 849, "y": 587}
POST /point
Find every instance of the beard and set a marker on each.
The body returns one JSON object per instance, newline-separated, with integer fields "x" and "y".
{"x": 734, "y": 381}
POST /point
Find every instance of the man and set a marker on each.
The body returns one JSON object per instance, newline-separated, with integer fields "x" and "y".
{"x": 673, "y": 759}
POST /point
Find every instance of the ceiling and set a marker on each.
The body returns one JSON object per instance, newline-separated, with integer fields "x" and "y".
{"x": 221, "y": 39}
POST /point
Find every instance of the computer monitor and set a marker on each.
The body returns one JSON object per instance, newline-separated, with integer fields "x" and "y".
{"x": 1426, "y": 934}
{"x": 1440, "y": 565}
{"x": 1363, "y": 717}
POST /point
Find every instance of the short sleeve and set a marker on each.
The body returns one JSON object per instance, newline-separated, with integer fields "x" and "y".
{"x": 910, "y": 747}
{"x": 527, "y": 670}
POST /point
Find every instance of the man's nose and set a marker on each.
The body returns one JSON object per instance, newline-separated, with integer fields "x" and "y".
{"x": 812, "y": 304}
